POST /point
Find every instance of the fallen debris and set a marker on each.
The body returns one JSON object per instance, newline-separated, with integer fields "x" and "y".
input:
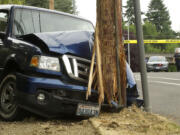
{"x": 130, "y": 121}
{"x": 134, "y": 121}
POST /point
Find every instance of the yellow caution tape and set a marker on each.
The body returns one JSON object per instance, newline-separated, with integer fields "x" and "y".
{"x": 164, "y": 41}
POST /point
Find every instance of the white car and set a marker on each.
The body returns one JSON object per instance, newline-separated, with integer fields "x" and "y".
{"x": 157, "y": 63}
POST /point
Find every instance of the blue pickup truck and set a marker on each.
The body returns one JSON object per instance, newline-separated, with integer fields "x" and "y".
{"x": 44, "y": 63}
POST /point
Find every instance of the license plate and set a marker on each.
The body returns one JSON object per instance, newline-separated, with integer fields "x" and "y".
{"x": 157, "y": 67}
{"x": 87, "y": 110}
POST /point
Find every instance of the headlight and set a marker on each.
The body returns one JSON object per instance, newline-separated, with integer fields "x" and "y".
{"x": 46, "y": 63}
{"x": 165, "y": 65}
{"x": 149, "y": 65}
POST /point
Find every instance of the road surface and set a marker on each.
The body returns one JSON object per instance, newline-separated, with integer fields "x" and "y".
{"x": 164, "y": 91}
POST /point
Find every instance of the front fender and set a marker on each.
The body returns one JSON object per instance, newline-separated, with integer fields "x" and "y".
{"x": 21, "y": 52}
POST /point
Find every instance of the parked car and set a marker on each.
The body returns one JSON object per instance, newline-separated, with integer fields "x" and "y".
{"x": 44, "y": 63}
{"x": 157, "y": 63}
{"x": 146, "y": 60}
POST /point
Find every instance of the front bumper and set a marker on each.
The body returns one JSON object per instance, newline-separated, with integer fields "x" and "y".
{"x": 59, "y": 97}
{"x": 154, "y": 68}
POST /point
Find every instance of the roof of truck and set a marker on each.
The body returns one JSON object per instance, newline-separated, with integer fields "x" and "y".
{"x": 8, "y": 7}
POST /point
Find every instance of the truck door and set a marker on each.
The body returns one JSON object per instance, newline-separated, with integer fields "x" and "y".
{"x": 3, "y": 32}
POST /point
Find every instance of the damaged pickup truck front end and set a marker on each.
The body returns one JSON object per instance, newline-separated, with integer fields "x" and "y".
{"x": 63, "y": 74}
{"x": 44, "y": 63}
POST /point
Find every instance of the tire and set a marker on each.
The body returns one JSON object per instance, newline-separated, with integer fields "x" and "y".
{"x": 9, "y": 110}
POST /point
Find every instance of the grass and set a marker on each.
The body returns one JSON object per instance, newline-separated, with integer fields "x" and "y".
{"x": 172, "y": 68}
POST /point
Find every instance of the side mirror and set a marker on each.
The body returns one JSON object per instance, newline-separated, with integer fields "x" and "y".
{"x": 2, "y": 35}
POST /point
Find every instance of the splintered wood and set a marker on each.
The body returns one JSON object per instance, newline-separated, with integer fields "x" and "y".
{"x": 105, "y": 51}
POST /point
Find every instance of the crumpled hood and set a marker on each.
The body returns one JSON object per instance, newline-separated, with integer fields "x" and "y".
{"x": 77, "y": 43}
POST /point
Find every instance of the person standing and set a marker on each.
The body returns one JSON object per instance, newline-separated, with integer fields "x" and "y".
{"x": 177, "y": 58}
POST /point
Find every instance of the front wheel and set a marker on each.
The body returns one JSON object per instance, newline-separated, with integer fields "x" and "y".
{"x": 9, "y": 109}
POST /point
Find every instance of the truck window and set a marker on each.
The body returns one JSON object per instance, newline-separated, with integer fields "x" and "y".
{"x": 62, "y": 23}
{"x": 27, "y": 21}
{"x": 3, "y": 21}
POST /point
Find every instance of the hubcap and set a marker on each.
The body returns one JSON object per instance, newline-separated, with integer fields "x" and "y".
{"x": 8, "y": 97}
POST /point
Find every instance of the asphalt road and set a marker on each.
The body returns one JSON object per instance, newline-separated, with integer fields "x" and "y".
{"x": 164, "y": 92}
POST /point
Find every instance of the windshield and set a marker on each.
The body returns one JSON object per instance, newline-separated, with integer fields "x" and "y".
{"x": 157, "y": 58}
{"x": 28, "y": 21}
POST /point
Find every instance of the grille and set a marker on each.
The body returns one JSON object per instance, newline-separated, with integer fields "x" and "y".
{"x": 157, "y": 65}
{"x": 77, "y": 68}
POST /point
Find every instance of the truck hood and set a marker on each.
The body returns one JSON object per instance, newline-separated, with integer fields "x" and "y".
{"x": 77, "y": 43}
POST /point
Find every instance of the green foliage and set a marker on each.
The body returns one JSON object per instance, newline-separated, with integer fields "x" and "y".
{"x": 158, "y": 14}
{"x": 150, "y": 48}
{"x": 172, "y": 68}
{"x": 155, "y": 48}
{"x": 132, "y": 28}
{"x": 149, "y": 30}
{"x": 151, "y": 33}
{"x": 65, "y": 6}
{"x": 19, "y": 2}
{"x": 157, "y": 25}
{"x": 38, "y": 3}
{"x": 61, "y": 5}
{"x": 129, "y": 12}
{"x": 171, "y": 47}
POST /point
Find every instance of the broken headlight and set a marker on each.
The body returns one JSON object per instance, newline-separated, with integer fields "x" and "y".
{"x": 46, "y": 63}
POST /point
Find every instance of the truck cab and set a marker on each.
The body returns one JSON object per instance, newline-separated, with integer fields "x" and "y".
{"x": 44, "y": 63}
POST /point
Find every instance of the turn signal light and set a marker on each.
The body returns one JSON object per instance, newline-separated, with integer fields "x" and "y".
{"x": 34, "y": 61}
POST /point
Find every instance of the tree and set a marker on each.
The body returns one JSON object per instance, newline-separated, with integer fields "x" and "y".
{"x": 61, "y": 5}
{"x": 132, "y": 29}
{"x": 129, "y": 12}
{"x": 38, "y": 3}
{"x": 150, "y": 31}
{"x": 158, "y": 14}
{"x": 20, "y": 2}
{"x": 65, "y": 6}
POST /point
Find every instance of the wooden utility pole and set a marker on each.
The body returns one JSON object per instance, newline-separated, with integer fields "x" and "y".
{"x": 121, "y": 71}
{"x": 51, "y": 4}
{"x": 111, "y": 71}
